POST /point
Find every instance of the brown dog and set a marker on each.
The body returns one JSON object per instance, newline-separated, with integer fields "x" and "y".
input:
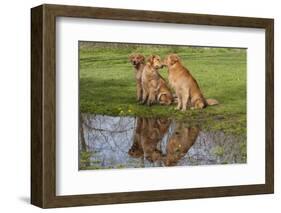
{"x": 138, "y": 62}
{"x": 153, "y": 85}
{"x": 180, "y": 142}
{"x": 147, "y": 137}
{"x": 136, "y": 151}
{"x": 186, "y": 87}
{"x": 153, "y": 131}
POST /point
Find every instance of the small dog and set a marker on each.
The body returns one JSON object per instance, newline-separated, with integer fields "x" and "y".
{"x": 186, "y": 87}
{"x": 153, "y": 84}
{"x": 138, "y": 62}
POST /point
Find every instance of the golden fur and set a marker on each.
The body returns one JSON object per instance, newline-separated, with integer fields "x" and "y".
{"x": 138, "y": 62}
{"x": 136, "y": 149}
{"x": 154, "y": 86}
{"x": 186, "y": 87}
{"x": 180, "y": 142}
{"x": 148, "y": 134}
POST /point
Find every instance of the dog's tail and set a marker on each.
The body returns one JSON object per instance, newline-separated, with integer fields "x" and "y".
{"x": 167, "y": 102}
{"x": 159, "y": 95}
{"x": 212, "y": 102}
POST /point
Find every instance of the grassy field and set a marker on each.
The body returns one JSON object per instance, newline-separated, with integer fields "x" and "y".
{"x": 107, "y": 84}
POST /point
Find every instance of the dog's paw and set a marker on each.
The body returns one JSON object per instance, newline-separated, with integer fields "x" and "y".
{"x": 178, "y": 107}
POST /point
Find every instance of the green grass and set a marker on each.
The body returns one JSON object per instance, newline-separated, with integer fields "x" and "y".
{"x": 107, "y": 84}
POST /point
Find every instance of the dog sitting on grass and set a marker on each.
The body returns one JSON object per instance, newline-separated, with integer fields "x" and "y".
{"x": 138, "y": 62}
{"x": 154, "y": 87}
{"x": 186, "y": 87}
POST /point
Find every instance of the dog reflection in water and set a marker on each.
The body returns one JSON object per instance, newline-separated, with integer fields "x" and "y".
{"x": 136, "y": 150}
{"x": 147, "y": 138}
{"x": 179, "y": 143}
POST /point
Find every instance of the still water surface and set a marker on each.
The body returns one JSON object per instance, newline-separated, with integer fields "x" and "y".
{"x": 128, "y": 142}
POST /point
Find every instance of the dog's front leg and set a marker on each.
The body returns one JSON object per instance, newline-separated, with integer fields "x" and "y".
{"x": 144, "y": 96}
{"x": 179, "y": 102}
{"x": 185, "y": 99}
{"x": 139, "y": 92}
{"x": 152, "y": 95}
{"x": 151, "y": 98}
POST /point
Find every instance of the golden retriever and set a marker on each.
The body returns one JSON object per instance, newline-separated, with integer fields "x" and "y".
{"x": 138, "y": 62}
{"x": 186, "y": 87}
{"x": 153, "y": 85}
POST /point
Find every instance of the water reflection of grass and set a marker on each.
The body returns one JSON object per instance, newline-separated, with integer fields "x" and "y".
{"x": 243, "y": 150}
{"x": 107, "y": 84}
{"x": 219, "y": 151}
{"x": 87, "y": 162}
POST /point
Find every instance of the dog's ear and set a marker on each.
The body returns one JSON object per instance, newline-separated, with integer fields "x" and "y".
{"x": 150, "y": 59}
{"x": 174, "y": 59}
{"x": 142, "y": 58}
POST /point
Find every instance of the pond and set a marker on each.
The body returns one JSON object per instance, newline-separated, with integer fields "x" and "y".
{"x": 107, "y": 142}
